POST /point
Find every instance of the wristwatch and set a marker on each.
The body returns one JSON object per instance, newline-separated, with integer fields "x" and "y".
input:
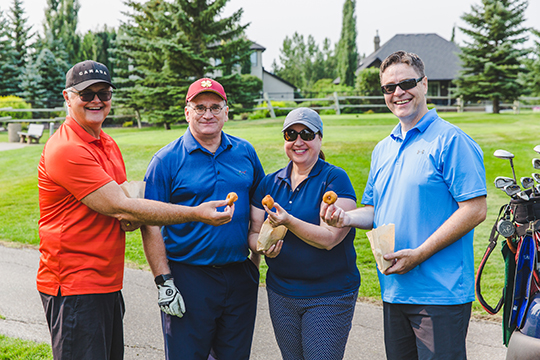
{"x": 160, "y": 279}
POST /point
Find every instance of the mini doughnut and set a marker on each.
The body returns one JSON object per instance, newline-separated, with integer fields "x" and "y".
{"x": 329, "y": 197}
{"x": 268, "y": 201}
{"x": 231, "y": 198}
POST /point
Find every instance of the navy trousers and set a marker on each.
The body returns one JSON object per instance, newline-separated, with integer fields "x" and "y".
{"x": 221, "y": 304}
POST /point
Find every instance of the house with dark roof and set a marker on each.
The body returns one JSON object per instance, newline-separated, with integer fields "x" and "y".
{"x": 273, "y": 85}
{"x": 440, "y": 57}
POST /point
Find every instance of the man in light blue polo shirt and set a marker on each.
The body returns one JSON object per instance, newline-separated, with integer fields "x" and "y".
{"x": 428, "y": 179}
{"x": 207, "y": 286}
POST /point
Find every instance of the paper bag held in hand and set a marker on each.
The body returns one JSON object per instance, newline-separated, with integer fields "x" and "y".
{"x": 381, "y": 240}
{"x": 134, "y": 189}
{"x": 269, "y": 235}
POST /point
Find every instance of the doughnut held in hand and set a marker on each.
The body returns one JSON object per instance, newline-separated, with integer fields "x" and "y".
{"x": 330, "y": 197}
{"x": 268, "y": 201}
{"x": 231, "y": 198}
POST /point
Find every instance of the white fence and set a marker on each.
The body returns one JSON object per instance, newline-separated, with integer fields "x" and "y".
{"x": 444, "y": 103}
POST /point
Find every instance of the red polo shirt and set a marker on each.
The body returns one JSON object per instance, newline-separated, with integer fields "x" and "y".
{"x": 82, "y": 251}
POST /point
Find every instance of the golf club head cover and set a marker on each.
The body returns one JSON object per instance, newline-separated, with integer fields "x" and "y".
{"x": 170, "y": 300}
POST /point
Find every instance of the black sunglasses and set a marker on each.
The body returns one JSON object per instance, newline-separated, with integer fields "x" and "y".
{"x": 88, "y": 96}
{"x": 292, "y": 135}
{"x": 404, "y": 85}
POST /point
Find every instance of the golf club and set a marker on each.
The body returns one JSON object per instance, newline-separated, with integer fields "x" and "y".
{"x": 537, "y": 148}
{"x": 536, "y": 176}
{"x": 512, "y": 190}
{"x": 523, "y": 196}
{"x": 503, "y": 154}
{"x": 527, "y": 182}
{"x": 502, "y": 181}
{"x": 536, "y": 163}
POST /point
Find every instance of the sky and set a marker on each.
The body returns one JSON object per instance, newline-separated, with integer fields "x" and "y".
{"x": 271, "y": 21}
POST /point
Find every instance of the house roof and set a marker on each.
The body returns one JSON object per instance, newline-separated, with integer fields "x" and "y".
{"x": 255, "y": 46}
{"x": 440, "y": 56}
{"x": 280, "y": 79}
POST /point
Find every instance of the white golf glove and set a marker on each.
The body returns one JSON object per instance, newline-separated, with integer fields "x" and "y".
{"x": 169, "y": 299}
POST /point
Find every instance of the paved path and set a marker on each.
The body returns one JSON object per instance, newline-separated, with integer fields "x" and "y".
{"x": 21, "y": 306}
{"x": 11, "y": 146}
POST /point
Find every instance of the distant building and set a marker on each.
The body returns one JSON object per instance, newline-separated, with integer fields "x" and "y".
{"x": 276, "y": 87}
{"x": 440, "y": 57}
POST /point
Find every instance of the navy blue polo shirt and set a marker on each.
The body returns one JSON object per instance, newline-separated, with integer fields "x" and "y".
{"x": 185, "y": 173}
{"x": 301, "y": 270}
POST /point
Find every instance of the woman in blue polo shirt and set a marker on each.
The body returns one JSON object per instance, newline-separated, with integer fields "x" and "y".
{"x": 312, "y": 278}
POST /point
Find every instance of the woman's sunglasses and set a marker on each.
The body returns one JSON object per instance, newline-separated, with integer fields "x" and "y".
{"x": 404, "y": 85}
{"x": 292, "y": 135}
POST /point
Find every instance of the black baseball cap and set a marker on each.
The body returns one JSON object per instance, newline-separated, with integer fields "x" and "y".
{"x": 87, "y": 73}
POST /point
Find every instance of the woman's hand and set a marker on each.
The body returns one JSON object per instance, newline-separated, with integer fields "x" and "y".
{"x": 274, "y": 250}
{"x": 280, "y": 217}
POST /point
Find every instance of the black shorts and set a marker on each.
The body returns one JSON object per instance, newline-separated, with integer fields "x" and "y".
{"x": 426, "y": 332}
{"x": 86, "y": 327}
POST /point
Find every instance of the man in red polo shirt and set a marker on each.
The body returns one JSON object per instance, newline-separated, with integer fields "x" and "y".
{"x": 84, "y": 216}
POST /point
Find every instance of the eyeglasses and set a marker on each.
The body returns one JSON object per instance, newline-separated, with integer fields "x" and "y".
{"x": 292, "y": 135}
{"x": 404, "y": 85}
{"x": 88, "y": 96}
{"x": 201, "y": 109}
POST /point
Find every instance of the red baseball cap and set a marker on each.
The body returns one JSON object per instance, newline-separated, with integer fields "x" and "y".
{"x": 205, "y": 85}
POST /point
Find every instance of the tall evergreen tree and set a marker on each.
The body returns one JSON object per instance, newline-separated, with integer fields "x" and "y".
{"x": 20, "y": 35}
{"x": 43, "y": 80}
{"x": 492, "y": 59}
{"x": 61, "y": 20}
{"x": 8, "y": 60}
{"x": 347, "y": 53}
{"x": 531, "y": 80}
{"x": 166, "y": 45}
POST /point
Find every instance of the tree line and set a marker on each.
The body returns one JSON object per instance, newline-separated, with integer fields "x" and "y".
{"x": 164, "y": 45}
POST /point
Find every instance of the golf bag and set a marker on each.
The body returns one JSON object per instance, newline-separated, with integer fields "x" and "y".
{"x": 519, "y": 223}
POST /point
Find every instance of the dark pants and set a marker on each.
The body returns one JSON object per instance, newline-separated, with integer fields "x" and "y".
{"x": 86, "y": 327}
{"x": 426, "y": 331}
{"x": 221, "y": 304}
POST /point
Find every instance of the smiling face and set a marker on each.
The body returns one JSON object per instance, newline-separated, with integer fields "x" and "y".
{"x": 408, "y": 105}
{"x": 302, "y": 153}
{"x": 207, "y": 126}
{"x": 89, "y": 114}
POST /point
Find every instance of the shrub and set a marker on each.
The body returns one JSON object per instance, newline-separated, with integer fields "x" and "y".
{"x": 127, "y": 124}
{"x": 15, "y": 102}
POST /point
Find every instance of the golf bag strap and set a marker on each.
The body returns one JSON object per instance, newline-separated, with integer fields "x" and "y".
{"x": 492, "y": 244}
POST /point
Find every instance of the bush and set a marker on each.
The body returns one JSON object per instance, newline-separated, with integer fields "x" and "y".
{"x": 127, "y": 124}
{"x": 15, "y": 103}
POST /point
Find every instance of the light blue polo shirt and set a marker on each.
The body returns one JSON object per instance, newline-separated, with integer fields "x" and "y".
{"x": 416, "y": 184}
{"x": 185, "y": 173}
{"x": 301, "y": 270}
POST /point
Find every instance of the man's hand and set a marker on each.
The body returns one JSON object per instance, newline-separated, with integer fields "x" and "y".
{"x": 129, "y": 226}
{"x": 208, "y": 213}
{"x": 403, "y": 261}
{"x": 169, "y": 299}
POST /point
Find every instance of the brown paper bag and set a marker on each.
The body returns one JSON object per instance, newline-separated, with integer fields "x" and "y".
{"x": 381, "y": 240}
{"x": 269, "y": 235}
{"x": 134, "y": 189}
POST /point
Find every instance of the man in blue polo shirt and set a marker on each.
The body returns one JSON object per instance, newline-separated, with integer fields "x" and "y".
{"x": 207, "y": 286}
{"x": 428, "y": 179}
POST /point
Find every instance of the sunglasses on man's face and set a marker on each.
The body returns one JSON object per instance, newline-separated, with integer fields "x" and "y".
{"x": 404, "y": 85}
{"x": 292, "y": 135}
{"x": 88, "y": 96}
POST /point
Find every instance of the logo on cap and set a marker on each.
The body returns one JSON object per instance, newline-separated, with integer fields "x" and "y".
{"x": 206, "y": 83}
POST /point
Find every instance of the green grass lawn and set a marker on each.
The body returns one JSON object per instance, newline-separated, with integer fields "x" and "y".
{"x": 348, "y": 142}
